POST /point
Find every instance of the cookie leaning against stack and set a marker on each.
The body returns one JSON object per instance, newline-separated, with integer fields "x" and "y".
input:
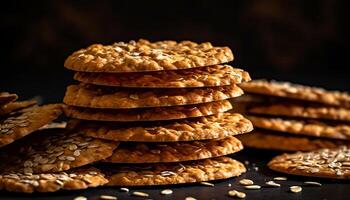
{"x": 303, "y": 118}
{"x": 165, "y": 103}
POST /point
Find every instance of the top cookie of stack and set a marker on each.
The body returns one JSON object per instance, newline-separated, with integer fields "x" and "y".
{"x": 165, "y": 102}
{"x": 296, "y": 117}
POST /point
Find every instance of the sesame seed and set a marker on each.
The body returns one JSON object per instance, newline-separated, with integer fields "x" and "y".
{"x": 295, "y": 189}
{"x": 207, "y": 184}
{"x": 140, "y": 194}
{"x": 108, "y": 197}
{"x": 246, "y": 182}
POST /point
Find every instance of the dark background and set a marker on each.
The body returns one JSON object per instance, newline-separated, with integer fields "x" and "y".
{"x": 295, "y": 40}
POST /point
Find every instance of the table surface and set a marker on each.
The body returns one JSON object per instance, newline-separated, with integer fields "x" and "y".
{"x": 330, "y": 189}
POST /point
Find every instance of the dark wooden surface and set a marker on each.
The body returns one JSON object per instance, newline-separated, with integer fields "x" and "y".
{"x": 331, "y": 189}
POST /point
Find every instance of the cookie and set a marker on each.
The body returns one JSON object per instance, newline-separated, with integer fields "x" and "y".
{"x": 266, "y": 140}
{"x": 303, "y": 127}
{"x": 295, "y": 91}
{"x": 297, "y": 110}
{"x": 324, "y": 163}
{"x": 48, "y": 182}
{"x": 23, "y": 122}
{"x": 216, "y": 75}
{"x": 58, "y": 152}
{"x": 143, "y": 56}
{"x": 174, "y": 151}
{"x": 175, "y": 173}
{"x": 203, "y": 128}
{"x": 6, "y": 97}
{"x": 120, "y": 98}
{"x": 149, "y": 114}
{"x": 17, "y": 105}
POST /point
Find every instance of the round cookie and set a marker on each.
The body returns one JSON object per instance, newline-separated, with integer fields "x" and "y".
{"x": 295, "y": 91}
{"x": 17, "y": 105}
{"x": 174, "y": 173}
{"x": 203, "y": 128}
{"x": 143, "y": 56}
{"x": 297, "y": 110}
{"x": 73, "y": 180}
{"x": 174, "y": 151}
{"x": 24, "y": 122}
{"x": 216, "y": 75}
{"x": 149, "y": 114}
{"x": 122, "y": 98}
{"x": 57, "y": 152}
{"x": 324, "y": 163}
{"x": 6, "y": 97}
{"x": 273, "y": 141}
{"x": 303, "y": 127}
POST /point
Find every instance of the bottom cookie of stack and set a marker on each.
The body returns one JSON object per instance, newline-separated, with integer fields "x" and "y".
{"x": 173, "y": 173}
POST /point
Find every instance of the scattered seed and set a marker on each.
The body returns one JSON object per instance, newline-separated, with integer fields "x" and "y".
{"x": 295, "y": 189}
{"x": 252, "y": 187}
{"x": 80, "y": 198}
{"x": 313, "y": 183}
{"x": 166, "y": 192}
{"x": 140, "y": 194}
{"x": 280, "y": 178}
{"x": 232, "y": 193}
{"x": 108, "y": 197}
{"x": 229, "y": 184}
{"x": 207, "y": 184}
{"x": 190, "y": 198}
{"x": 124, "y": 189}
{"x": 256, "y": 168}
{"x": 246, "y": 182}
{"x": 273, "y": 184}
{"x": 235, "y": 193}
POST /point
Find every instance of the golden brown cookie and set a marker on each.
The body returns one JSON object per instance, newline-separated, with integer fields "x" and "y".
{"x": 175, "y": 173}
{"x": 203, "y": 128}
{"x": 6, "y": 97}
{"x": 295, "y": 91}
{"x": 13, "y": 106}
{"x": 325, "y": 163}
{"x": 73, "y": 180}
{"x": 297, "y": 110}
{"x": 216, "y": 75}
{"x": 303, "y": 127}
{"x": 266, "y": 140}
{"x": 23, "y": 122}
{"x": 174, "y": 151}
{"x": 58, "y": 152}
{"x": 143, "y": 56}
{"x": 121, "y": 98}
{"x": 149, "y": 114}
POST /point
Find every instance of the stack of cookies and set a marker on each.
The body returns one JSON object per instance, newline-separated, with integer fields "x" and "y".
{"x": 293, "y": 117}
{"x": 165, "y": 104}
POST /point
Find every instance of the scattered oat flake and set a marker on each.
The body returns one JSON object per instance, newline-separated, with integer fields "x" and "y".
{"x": 207, "y": 184}
{"x": 166, "y": 192}
{"x": 273, "y": 184}
{"x": 80, "y": 198}
{"x": 313, "y": 183}
{"x": 246, "y": 182}
{"x": 140, "y": 194}
{"x": 108, "y": 197}
{"x": 252, "y": 187}
{"x": 280, "y": 178}
{"x": 124, "y": 189}
{"x": 295, "y": 189}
